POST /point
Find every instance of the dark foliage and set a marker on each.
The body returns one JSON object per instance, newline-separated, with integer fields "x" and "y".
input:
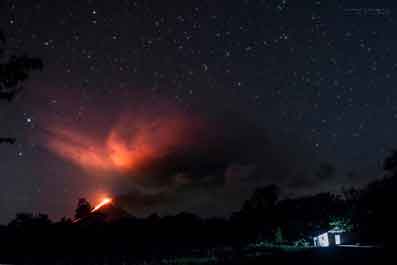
{"x": 263, "y": 218}
{"x": 83, "y": 208}
{"x": 93, "y": 238}
{"x": 14, "y": 70}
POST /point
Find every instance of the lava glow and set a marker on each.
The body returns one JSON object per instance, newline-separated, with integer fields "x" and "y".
{"x": 101, "y": 204}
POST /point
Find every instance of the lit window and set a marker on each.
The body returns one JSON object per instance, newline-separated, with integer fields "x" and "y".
{"x": 337, "y": 239}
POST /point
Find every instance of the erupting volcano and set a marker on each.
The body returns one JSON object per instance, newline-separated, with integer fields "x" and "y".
{"x": 101, "y": 204}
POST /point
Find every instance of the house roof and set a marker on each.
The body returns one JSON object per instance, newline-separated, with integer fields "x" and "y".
{"x": 336, "y": 230}
{"x": 331, "y": 231}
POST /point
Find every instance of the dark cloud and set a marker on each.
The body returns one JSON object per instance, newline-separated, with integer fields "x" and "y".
{"x": 157, "y": 157}
{"x": 227, "y": 159}
{"x": 325, "y": 171}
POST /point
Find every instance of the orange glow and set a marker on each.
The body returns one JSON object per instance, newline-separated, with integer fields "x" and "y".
{"x": 129, "y": 144}
{"x": 101, "y": 204}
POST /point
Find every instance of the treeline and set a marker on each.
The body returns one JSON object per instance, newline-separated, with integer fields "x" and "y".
{"x": 368, "y": 212}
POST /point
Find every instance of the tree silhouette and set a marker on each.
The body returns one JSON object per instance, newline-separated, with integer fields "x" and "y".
{"x": 340, "y": 223}
{"x": 29, "y": 219}
{"x": 83, "y": 208}
{"x": 390, "y": 162}
{"x": 325, "y": 171}
{"x": 278, "y": 236}
{"x": 263, "y": 198}
{"x": 14, "y": 70}
{"x": 258, "y": 215}
{"x": 22, "y": 219}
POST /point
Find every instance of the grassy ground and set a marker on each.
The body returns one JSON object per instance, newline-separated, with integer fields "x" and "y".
{"x": 262, "y": 254}
{"x": 289, "y": 255}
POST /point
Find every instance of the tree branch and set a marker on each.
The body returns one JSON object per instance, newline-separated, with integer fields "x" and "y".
{"x": 9, "y": 96}
{"x": 7, "y": 140}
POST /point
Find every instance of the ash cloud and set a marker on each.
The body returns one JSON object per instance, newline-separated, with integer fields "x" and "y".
{"x": 211, "y": 175}
{"x": 161, "y": 159}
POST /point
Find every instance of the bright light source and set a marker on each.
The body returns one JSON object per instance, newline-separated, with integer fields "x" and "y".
{"x": 337, "y": 239}
{"x": 323, "y": 240}
{"x": 102, "y": 203}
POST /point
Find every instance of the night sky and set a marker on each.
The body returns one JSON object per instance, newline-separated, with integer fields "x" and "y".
{"x": 175, "y": 106}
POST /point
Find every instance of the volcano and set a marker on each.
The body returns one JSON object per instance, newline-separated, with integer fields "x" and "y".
{"x": 106, "y": 212}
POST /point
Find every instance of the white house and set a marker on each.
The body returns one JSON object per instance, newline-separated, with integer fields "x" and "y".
{"x": 331, "y": 237}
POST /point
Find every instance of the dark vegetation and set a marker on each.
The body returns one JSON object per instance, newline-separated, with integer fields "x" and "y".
{"x": 264, "y": 222}
{"x": 14, "y": 70}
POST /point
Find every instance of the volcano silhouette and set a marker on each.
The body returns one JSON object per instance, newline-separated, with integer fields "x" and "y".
{"x": 108, "y": 213}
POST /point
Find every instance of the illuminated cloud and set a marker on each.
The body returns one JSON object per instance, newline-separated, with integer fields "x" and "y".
{"x": 129, "y": 145}
{"x": 156, "y": 160}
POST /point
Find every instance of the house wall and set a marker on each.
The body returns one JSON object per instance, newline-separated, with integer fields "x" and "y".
{"x": 331, "y": 239}
{"x": 328, "y": 239}
{"x": 323, "y": 240}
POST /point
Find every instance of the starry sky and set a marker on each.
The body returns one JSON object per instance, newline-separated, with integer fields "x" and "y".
{"x": 178, "y": 105}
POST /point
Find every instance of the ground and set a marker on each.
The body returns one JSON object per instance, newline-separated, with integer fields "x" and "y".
{"x": 307, "y": 256}
{"x": 253, "y": 255}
